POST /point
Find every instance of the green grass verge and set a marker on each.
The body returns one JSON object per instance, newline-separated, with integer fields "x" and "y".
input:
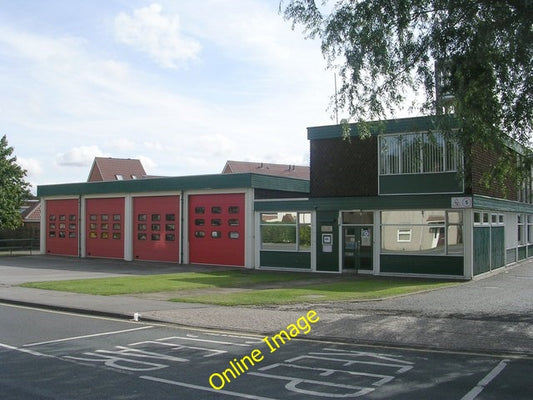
{"x": 347, "y": 291}
{"x": 167, "y": 282}
{"x": 250, "y": 285}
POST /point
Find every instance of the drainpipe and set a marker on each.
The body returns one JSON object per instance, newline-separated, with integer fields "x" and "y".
{"x": 182, "y": 219}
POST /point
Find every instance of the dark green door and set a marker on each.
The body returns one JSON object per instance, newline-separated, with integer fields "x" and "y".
{"x": 357, "y": 247}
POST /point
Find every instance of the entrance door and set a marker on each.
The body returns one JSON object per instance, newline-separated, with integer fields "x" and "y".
{"x": 357, "y": 247}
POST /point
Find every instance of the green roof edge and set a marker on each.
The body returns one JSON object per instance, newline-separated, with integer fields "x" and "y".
{"x": 179, "y": 183}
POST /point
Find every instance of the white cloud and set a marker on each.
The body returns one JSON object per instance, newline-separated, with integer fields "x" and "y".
{"x": 149, "y": 31}
{"x": 31, "y": 165}
{"x": 81, "y": 156}
{"x": 148, "y": 164}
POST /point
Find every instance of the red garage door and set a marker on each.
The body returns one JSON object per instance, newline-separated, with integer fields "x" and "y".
{"x": 156, "y": 228}
{"x": 105, "y": 227}
{"x": 62, "y": 227}
{"x": 216, "y": 229}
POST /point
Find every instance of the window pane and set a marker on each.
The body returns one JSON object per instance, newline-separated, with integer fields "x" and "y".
{"x": 278, "y": 237}
{"x": 455, "y": 217}
{"x": 433, "y": 153}
{"x": 413, "y": 217}
{"x": 455, "y": 240}
{"x": 410, "y": 153}
{"x": 279, "y": 218}
{"x": 170, "y": 217}
{"x": 304, "y": 237}
{"x": 356, "y": 217}
{"x": 425, "y": 239}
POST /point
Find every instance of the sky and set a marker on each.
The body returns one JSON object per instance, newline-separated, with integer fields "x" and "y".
{"x": 182, "y": 85}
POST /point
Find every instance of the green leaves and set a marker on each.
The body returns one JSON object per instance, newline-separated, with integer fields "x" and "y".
{"x": 384, "y": 50}
{"x": 13, "y": 188}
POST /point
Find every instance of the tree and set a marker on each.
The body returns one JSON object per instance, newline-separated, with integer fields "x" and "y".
{"x": 13, "y": 188}
{"x": 479, "y": 52}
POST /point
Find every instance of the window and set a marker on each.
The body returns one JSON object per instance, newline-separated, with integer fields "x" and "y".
{"x": 216, "y": 234}
{"x": 233, "y": 222}
{"x": 119, "y": 177}
{"x": 423, "y": 232}
{"x": 233, "y": 209}
{"x": 529, "y": 228}
{"x": 404, "y": 235}
{"x": 520, "y": 228}
{"x": 142, "y": 217}
{"x": 156, "y": 217}
{"x": 170, "y": 217}
{"x": 286, "y": 231}
{"x": 415, "y": 153}
{"x": 216, "y": 222}
{"x": 216, "y": 210}
{"x": 199, "y": 210}
{"x": 199, "y": 234}
{"x": 199, "y": 222}
{"x": 170, "y": 237}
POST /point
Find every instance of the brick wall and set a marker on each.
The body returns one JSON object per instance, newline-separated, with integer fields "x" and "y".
{"x": 482, "y": 160}
{"x": 344, "y": 168}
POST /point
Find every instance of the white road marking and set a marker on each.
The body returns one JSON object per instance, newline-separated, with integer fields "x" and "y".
{"x": 380, "y": 379}
{"x": 206, "y": 341}
{"x": 486, "y": 380}
{"x": 207, "y": 389}
{"x": 88, "y": 336}
{"x": 32, "y": 352}
{"x": 293, "y": 383}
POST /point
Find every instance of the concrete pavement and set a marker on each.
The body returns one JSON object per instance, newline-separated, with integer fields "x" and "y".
{"x": 493, "y": 314}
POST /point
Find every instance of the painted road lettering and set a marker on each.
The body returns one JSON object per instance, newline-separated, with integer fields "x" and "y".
{"x": 218, "y": 380}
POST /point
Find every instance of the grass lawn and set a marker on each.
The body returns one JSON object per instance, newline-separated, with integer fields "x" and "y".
{"x": 353, "y": 289}
{"x": 167, "y": 282}
{"x": 253, "y": 287}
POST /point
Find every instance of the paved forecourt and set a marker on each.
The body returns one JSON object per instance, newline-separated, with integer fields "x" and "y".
{"x": 87, "y": 357}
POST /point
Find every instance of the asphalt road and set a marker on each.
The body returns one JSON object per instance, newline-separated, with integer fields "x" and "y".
{"x": 53, "y": 355}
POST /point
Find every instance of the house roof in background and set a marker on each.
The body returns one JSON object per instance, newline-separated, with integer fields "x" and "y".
{"x": 31, "y": 211}
{"x": 285, "y": 170}
{"x": 113, "y": 169}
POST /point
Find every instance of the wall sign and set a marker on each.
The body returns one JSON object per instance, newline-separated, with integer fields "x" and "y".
{"x": 461, "y": 202}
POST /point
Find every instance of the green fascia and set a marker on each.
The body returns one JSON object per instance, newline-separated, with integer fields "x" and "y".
{"x": 181, "y": 183}
{"x": 491, "y": 203}
{"x": 391, "y": 126}
{"x": 403, "y": 202}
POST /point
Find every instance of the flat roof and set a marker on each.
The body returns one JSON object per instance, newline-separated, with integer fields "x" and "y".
{"x": 179, "y": 183}
{"x": 389, "y": 126}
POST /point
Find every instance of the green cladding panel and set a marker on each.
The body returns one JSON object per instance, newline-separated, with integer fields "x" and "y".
{"x": 284, "y": 259}
{"x": 497, "y": 244}
{"x": 430, "y": 265}
{"x": 327, "y": 224}
{"x": 481, "y": 250}
{"x": 448, "y": 182}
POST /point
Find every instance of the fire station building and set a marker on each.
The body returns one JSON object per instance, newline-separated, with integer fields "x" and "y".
{"x": 405, "y": 201}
